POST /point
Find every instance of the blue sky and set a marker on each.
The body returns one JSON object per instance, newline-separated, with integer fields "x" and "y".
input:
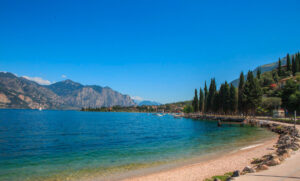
{"x": 158, "y": 50}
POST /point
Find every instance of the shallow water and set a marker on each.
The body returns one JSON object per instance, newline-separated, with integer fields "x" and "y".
{"x": 61, "y": 145}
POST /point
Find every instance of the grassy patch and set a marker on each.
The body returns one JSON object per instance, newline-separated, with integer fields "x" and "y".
{"x": 221, "y": 177}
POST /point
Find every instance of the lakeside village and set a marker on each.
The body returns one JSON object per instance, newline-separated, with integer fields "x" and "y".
{"x": 274, "y": 93}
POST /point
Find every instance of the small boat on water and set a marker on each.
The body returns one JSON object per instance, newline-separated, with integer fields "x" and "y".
{"x": 40, "y": 109}
{"x": 159, "y": 115}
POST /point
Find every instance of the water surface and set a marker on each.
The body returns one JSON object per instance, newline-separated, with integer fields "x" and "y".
{"x": 61, "y": 145}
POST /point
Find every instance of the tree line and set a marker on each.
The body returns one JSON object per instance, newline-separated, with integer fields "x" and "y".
{"x": 254, "y": 93}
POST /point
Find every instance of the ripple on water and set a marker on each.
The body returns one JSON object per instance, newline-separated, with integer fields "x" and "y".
{"x": 62, "y": 145}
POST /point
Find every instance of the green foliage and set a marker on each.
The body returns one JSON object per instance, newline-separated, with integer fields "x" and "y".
{"x": 288, "y": 62}
{"x": 211, "y": 95}
{"x": 271, "y": 102}
{"x": 222, "y": 103}
{"x": 241, "y": 105}
{"x": 289, "y": 89}
{"x": 294, "y": 68}
{"x": 195, "y": 103}
{"x": 188, "y": 109}
{"x": 294, "y": 102}
{"x": 221, "y": 177}
{"x": 268, "y": 78}
{"x": 233, "y": 99}
{"x": 262, "y": 111}
{"x": 201, "y": 100}
{"x": 279, "y": 68}
{"x": 256, "y": 95}
{"x": 258, "y": 73}
{"x": 252, "y": 93}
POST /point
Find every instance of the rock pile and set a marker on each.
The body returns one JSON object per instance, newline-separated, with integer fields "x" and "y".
{"x": 287, "y": 143}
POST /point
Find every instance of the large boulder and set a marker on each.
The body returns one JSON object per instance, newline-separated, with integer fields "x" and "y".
{"x": 273, "y": 162}
{"x": 248, "y": 169}
{"x": 236, "y": 173}
{"x": 262, "y": 167}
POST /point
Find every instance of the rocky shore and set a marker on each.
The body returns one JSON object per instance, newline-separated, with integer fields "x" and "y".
{"x": 287, "y": 143}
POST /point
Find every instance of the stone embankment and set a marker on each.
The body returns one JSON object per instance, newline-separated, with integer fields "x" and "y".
{"x": 223, "y": 118}
{"x": 287, "y": 143}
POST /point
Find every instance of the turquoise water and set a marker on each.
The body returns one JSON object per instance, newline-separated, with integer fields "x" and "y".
{"x": 61, "y": 145}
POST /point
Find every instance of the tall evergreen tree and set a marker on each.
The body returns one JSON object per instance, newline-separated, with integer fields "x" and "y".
{"x": 220, "y": 99}
{"x": 205, "y": 97}
{"x": 211, "y": 95}
{"x": 226, "y": 98}
{"x": 289, "y": 88}
{"x": 288, "y": 63}
{"x": 252, "y": 93}
{"x": 279, "y": 68}
{"x": 216, "y": 107}
{"x": 233, "y": 99}
{"x": 201, "y": 100}
{"x": 195, "y": 103}
{"x": 258, "y": 73}
{"x": 294, "y": 69}
{"x": 241, "y": 93}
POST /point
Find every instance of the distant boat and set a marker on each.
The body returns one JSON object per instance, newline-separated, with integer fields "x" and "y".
{"x": 40, "y": 109}
{"x": 158, "y": 114}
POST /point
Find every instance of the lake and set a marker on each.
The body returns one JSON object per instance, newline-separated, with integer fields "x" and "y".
{"x": 61, "y": 145}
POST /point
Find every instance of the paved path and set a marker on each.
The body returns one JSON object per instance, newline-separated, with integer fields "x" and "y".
{"x": 289, "y": 170}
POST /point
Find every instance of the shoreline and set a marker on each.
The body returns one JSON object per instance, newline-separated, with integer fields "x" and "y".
{"x": 210, "y": 160}
{"x": 218, "y": 166}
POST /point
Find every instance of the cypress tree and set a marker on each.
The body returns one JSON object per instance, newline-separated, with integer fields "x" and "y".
{"x": 195, "y": 103}
{"x": 241, "y": 93}
{"x": 211, "y": 95}
{"x": 279, "y": 68}
{"x": 205, "y": 97}
{"x": 252, "y": 93}
{"x": 258, "y": 73}
{"x": 288, "y": 63}
{"x": 201, "y": 100}
{"x": 216, "y": 102}
{"x": 233, "y": 99}
{"x": 221, "y": 99}
{"x": 226, "y": 98}
{"x": 275, "y": 76}
{"x": 294, "y": 69}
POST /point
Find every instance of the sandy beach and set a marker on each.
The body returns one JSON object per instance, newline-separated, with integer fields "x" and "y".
{"x": 217, "y": 166}
{"x": 223, "y": 164}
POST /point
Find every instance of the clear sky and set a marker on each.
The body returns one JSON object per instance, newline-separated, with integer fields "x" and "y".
{"x": 159, "y": 50}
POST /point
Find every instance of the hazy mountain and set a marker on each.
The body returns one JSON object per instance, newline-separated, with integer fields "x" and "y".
{"x": 18, "y": 92}
{"x": 263, "y": 68}
{"x": 78, "y": 95}
{"x": 140, "y": 102}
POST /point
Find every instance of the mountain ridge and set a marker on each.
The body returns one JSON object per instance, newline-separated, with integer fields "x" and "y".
{"x": 19, "y": 92}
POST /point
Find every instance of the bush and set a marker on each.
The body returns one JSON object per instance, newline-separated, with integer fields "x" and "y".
{"x": 188, "y": 109}
{"x": 221, "y": 177}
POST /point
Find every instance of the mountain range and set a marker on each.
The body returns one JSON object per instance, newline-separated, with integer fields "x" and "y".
{"x": 146, "y": 102}
{"x": 19, "y": 92}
